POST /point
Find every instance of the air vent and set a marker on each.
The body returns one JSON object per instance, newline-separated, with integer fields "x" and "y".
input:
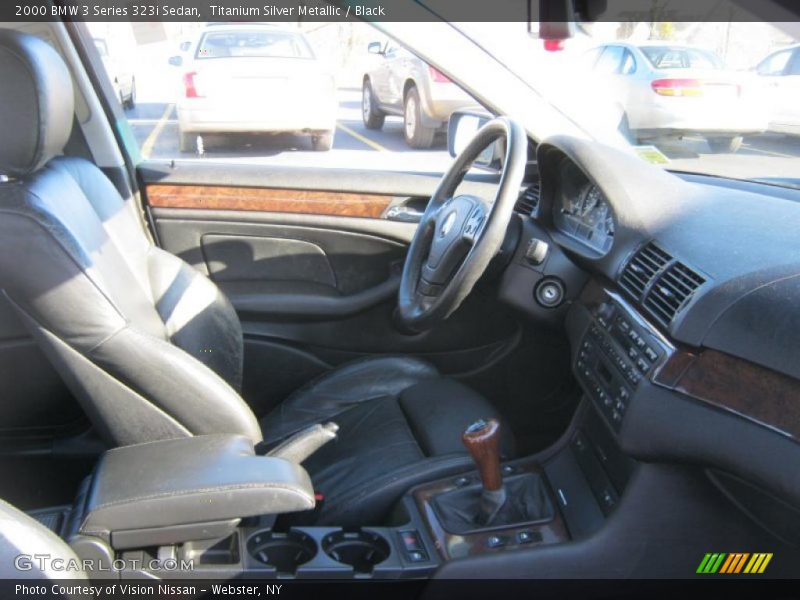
{"x": 672, "y": 291}
{"x": 643, "y": 268}
{"x": 528, "y": 201}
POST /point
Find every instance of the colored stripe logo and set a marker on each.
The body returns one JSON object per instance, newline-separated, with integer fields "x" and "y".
{"x": 734, "y": 563}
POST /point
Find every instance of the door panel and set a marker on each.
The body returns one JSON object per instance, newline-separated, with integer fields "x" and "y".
{"x": 243, "y": 258}
{"x": 232, "y": 248}
{"x": 314, "y": 273}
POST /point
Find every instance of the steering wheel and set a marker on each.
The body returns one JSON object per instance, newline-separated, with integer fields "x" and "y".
{"x": 458, "y": 236}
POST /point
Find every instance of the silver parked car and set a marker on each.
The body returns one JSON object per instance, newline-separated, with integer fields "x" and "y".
{"x": 255, "y": 78}
{"x": 669, "y": 90}
{"x": 779, "y": 74}
{"x": 402, "y": 84}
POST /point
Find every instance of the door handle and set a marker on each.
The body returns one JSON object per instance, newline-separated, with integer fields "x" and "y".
{"x": 404, "y": 214}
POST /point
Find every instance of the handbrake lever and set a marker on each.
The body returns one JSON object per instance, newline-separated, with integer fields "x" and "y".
{"x": 299, "y": 446}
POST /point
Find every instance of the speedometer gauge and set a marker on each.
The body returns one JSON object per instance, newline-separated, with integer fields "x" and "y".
{"x": 590, "y": 198}
{"x": 585, "y": 214}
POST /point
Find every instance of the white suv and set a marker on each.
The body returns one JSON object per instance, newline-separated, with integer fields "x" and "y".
{"x": 402, "y": 84}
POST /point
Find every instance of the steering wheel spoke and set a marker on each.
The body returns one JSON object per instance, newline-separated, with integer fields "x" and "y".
{"x": 475, "y": 225}
{"x": 459, "y": 235}
{"x": 428, "y": 290}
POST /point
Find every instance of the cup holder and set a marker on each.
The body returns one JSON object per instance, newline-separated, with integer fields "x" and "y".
{"x": 282, "y": 551}
{"x": 362, "y": 550}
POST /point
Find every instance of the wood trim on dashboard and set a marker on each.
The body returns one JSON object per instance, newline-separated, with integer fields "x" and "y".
{"x": 754, "y": 392}
{"x": 739, "y": 386}
{"x": 339, "y": 204}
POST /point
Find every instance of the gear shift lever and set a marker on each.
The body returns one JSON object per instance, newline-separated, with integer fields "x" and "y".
{"x": 482, "y": 440}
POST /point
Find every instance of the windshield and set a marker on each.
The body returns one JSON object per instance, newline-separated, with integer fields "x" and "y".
{"x": 712, "y": 98}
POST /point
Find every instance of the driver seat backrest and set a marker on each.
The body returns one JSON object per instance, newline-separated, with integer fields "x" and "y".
{"x": 149, "y": 346}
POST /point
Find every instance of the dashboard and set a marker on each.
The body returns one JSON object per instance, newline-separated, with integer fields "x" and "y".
{"x": 678, "y": 294}
{"x": 582, "y": 211}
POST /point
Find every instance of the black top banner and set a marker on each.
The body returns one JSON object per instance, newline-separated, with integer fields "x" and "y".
{"x": 401, "y": 10}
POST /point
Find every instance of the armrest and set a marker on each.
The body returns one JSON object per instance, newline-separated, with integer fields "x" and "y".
{"x": 188, "y": 488}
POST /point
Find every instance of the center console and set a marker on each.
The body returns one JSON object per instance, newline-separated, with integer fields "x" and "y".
{"x": 208, "y": 507}
{"x": 617, "y": 350}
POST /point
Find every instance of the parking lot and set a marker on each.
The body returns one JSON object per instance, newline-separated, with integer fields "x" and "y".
{"x": 156, "y": 128}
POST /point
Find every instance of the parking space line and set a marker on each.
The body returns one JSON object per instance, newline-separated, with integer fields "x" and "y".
{"x": 150, "y": 142}
{"x": 361, "y": 138}
{"x": 768, "y": 152}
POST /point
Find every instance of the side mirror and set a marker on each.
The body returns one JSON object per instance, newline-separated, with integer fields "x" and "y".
{"x": 375, "y": 48}
{"x": 176, "y": 61}
{"x": 462, "y": 127}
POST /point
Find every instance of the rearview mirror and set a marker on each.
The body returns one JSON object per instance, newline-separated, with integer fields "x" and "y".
{"x": 375, "y": 48}
{"x": 557, "y": 18}
{"x": 176, "y": 61}
{"x": 461, "y": 128}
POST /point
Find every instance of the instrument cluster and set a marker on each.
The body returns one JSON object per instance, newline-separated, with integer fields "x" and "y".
{"x": 582, "y": 211}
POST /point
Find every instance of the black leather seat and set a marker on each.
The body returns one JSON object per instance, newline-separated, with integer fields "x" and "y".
{"x": 152, "y": 349}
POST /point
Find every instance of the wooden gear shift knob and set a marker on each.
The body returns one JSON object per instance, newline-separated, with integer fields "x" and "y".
{"x": 482, "y": 440}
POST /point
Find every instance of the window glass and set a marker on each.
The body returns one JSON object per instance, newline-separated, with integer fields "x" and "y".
{"x": 794, "y": 68}
{"x": 628, "y": 63}
{"x": 666, "y": 57}
{"x": 279, "y": 93}
{"x": 253, "y": 44}
{"x": 775, "y": 64}
{"x": 702, "y": 60}
{"x": 611, "y": 60}
{"x": 313, "y": 94}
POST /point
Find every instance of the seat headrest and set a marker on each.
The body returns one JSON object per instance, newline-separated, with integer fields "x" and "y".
{"x": 36, "y": 103}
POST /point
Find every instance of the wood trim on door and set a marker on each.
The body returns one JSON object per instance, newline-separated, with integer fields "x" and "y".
{"x": 338, "y": 204}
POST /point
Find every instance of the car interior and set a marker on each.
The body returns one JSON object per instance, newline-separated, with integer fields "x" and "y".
{"x": 574, "y": 365}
